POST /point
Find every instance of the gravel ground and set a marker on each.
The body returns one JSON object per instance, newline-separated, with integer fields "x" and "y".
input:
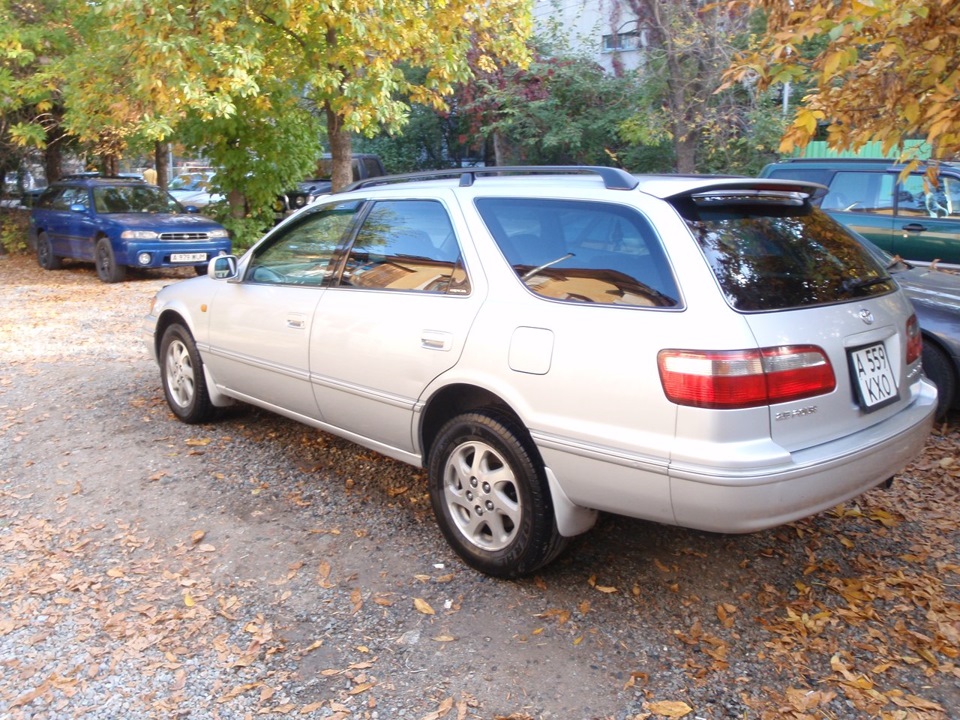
{"x": 257, "y": 568}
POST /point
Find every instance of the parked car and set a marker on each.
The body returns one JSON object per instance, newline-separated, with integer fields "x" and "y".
{"x": 116, "y": 223}
{"x": 365, "y": 166}
{"x": 715, "y": 353}
{"x": 918, "y": 222}
{"x": 935, "y": 295}
{"x": 193, "y": 187}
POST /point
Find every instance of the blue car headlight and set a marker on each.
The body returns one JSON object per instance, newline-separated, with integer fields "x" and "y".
{"x": 139, "y": 235}
{"x": 218, "y": 233}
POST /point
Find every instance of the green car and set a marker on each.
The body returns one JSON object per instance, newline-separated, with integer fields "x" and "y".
{"x": 918, "y": 222}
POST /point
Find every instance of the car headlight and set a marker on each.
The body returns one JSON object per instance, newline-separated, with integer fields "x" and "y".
{"x": 219, "y": 233}
{"x": 139, "y": 235}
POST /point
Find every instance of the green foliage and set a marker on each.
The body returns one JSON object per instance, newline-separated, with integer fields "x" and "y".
{"x": 559, "y": 111}
{"x": 244, "y": 231}
{"x": 431, "y": 140}
{"x": 13, "y": 231}
{"x": 260, "y": 151}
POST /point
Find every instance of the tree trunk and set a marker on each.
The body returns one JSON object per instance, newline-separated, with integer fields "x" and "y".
{"x": 685, "y": 150}
{"x": 341, "y": 149}
{"x": 111, "y": 165}
{"x": 161, "y": 162}
{"x": 52, "y": 156}
{"x": 238, "y": 204}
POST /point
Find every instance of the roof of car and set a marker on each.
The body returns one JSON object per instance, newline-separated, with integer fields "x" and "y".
{"x": 661, "y": 186}
{"x": 848, "y": 162}
{"x": 97, "y": 179}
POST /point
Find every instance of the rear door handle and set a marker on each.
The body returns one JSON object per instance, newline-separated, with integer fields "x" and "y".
{"x": 914, "y": 227}
{"x": 436, "y": 340}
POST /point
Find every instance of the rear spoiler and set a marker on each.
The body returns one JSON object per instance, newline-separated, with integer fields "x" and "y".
{"x": 752, "y": 192}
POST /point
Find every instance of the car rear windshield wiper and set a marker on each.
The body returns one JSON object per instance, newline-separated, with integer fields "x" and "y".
{"x": 863, "y": 284}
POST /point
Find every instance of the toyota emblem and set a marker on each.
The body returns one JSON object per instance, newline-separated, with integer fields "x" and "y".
{"x": 866, "y": 316}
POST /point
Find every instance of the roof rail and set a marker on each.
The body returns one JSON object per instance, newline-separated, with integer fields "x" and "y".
{"x": 885, "y": 161}
{"x": 613, "y": 178}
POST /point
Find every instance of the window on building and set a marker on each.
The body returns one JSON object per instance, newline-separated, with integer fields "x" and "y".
{"x": 621, "y": 42}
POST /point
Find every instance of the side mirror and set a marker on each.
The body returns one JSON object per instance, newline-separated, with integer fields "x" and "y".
{"x": 223, "y": 267}
{"x": 78, "y": 208}
{"x": 192, "y": 209}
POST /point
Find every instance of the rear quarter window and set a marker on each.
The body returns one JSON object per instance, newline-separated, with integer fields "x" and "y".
{"x": 581, "y": 251}
{"x": 769, "y": 257}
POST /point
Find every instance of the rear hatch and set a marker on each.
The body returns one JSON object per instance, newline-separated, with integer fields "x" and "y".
{"x": 816, "y": 301}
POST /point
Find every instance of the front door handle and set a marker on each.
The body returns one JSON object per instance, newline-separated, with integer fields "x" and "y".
{"x": 914, "y": 227}
{"x": 297, "y": 322}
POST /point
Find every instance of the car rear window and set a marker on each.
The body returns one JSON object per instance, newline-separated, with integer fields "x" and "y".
{"x": 776, "y": 255}
{"x": 582, "y": 251}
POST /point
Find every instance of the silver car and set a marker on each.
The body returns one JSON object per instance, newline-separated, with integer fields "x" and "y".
{"x": 708, "y": 352}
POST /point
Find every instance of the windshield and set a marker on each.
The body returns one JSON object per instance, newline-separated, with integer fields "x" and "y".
{"x": 139, "y": 198}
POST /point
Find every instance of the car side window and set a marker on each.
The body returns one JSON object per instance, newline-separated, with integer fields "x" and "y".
{"x": 302, "y": 253}
{"x": 870, "y": 192}
{"x": 918, "y": 199}
{"x": 580, "y": 251}
{"x": 51, "y": 199}
{"x": 71, "y": 196}
{"x": 407, "y": 245}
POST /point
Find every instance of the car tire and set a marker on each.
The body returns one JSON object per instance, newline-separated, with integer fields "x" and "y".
{"x": 200, "y": 269}
{"x": 181, "y": 373}
{"x": 45, "y": 256}
{"x": 490, "y": 495}
{"x": 106, "y": 261}
{"x": 938, "y": 368}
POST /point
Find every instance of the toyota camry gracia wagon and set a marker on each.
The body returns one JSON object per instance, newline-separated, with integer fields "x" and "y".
{"x": 715, "y": 353}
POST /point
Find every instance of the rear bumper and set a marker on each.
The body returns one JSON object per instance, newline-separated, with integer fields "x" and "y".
{"x": 817, "y": 479}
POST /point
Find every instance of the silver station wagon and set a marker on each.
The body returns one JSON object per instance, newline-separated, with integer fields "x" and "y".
{"x": 714, "y": 353}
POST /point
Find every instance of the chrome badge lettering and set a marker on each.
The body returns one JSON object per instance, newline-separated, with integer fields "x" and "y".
{"x": 799, "y": 412}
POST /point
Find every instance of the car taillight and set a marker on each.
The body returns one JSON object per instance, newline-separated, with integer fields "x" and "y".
{"x": 728, "y": 379}
{"x": 914, "y": 340}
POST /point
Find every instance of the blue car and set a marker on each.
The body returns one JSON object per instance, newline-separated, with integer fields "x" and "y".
{"x": 118, "y": 223}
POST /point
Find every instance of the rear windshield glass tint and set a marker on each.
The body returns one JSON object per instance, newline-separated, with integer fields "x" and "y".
{"x": 582, "y": 252}
{"x": 769, "y": 256}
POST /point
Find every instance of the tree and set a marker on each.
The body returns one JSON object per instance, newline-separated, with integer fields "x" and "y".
{"x": 882, "y": 71}
{"x": 34, "y": 39}
{"x": 257, "y": 150}
{"x": 561, "y": 110}
{"x": 351, "y": 55}
{"x": 688, "y": 48}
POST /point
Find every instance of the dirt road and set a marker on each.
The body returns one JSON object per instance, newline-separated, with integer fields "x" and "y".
{"x": 257, "y": 568}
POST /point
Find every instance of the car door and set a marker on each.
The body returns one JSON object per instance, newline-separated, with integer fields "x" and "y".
{"x": 260, "y": 327}
{"x": 927, "y": 220}
{"x": 864, "y": 202}
{"x": 65, "y": 227}
{"x": 81, "y": 223}
{"x": 397, "y": 318}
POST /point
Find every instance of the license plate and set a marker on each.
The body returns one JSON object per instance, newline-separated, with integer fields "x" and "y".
{"x": 873, "y": 378}
{"x": 188, "y": 257}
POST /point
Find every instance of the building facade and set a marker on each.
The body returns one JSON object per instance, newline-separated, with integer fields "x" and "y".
{"x": 606, "y": 30}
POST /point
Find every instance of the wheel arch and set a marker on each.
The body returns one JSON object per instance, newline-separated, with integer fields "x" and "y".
{"x": 931, "y": 340}
{"x": 456, "y": 399}
{"x": 167, "y": 318}
{"x": 173, "y": 316}
{"x": 459, "y": 398}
